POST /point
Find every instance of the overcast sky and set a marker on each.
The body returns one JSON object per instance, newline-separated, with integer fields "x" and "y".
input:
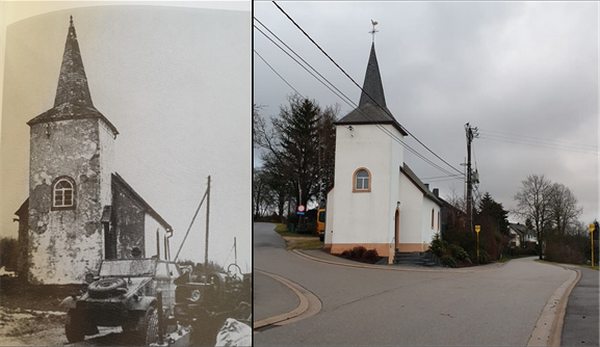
{"x": 525, "y": 73}
{"x": 176, "y": 82}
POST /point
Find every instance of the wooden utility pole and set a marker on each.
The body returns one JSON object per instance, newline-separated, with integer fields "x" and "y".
{"x": 206, "y": 238}
{"x": 235, "y": 249}
{"x": 471, "y": 133}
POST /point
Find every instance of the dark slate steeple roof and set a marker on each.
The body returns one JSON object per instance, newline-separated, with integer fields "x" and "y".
{"x": 73, "y": 99}
{"x": 372, "y": 108}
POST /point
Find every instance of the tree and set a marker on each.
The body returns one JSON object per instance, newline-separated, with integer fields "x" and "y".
{"x": 327, "y": 150}
{"x": 533, "y": 202}
{"x": 493, "y": 219}
{"x": 563, "y": 208}
{"x": 298, "y": 149}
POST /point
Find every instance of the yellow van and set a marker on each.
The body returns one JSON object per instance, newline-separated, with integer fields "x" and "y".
{"x": 321, "y": 223}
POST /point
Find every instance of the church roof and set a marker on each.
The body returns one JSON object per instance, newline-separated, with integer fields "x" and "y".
{"x": 73, "y": 99}
{"x": 372, "y": 108}
{"x": 417, "y": 182}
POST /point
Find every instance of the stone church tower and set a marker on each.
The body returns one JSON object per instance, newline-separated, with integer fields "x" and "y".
{"x": 71, "y": 149}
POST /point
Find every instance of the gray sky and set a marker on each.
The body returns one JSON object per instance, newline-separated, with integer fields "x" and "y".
{"x": 520, "y": 71}
{"x": 176, "y": 82}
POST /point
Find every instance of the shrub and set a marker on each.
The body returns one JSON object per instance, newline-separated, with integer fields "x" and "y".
{"x": 448, "y": 261}
{"x": 458, "y": 253}
{"x": 361, "y": 254}
{"x": 370, "y": 256}
{"x": 357, "y": 252}
{"x": 438, "y": 246}
{"x": 484, "y": 257}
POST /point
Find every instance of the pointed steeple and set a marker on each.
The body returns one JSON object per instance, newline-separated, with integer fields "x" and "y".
{"x": 372, "y": 108}
{"x": 372, "y": 86}
{"x": 72, "y": 82}
{"x": 73, "y": 100}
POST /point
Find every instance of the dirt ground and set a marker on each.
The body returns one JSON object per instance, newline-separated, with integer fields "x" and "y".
{"x": 31, "y": 315}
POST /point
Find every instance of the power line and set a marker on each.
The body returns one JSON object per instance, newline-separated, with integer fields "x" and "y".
{"x": 355, "y": 83}
{"x": 346, "y": 99}
{"x": 277, "y": 73}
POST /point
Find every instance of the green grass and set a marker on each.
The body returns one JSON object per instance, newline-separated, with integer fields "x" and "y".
{"x": 303, "y": 243}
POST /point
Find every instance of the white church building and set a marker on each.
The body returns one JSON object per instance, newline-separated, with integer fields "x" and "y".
{"x": 377, "y": 201}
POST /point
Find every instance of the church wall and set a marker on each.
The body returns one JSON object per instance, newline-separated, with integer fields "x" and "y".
{"x": 128, "y": 221}
{"x": 329, "y": 216}
{"x": 396, "y": 161}
{"x": 64, "y": 244}
{"x": 361, "y": 217}
{"x": 151, "y": 225}
{"x": 428, "y": 232}
{"x": 107, "y": 145}
{"x": 410, "y": 212}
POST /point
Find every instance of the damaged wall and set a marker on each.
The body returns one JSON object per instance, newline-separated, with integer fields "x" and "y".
{"x": 65, "y": 244}
{"x": 127, "y": 221}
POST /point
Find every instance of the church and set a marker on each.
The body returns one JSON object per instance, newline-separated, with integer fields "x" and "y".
{"x": 79, "y": 210}
{"x": 377, "y": 201}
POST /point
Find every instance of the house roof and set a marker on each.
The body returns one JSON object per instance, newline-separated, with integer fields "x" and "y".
{"x": 73, "y": 99}
{"x": 519, "y": 228}
{"x": 372, "y": 108}
{"x": 117, "y": 179}
{"x": 417, "y": 182}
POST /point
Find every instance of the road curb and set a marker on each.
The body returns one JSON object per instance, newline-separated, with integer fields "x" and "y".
{"x": 309, "y": 304}
{"x": 390, "y": 268}
{"x": 548, "y": 328}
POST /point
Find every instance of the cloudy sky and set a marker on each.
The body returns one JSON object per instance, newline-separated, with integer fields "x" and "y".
{"x": 524, "y": 73}
{"x": 175, "y": 81}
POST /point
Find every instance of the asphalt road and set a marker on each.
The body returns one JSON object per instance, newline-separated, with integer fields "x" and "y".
{"x": 497, "y": 306}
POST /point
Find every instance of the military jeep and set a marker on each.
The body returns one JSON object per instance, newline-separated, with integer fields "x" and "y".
{"x": 124, "y": 294}
{"x": 205, "y": 300}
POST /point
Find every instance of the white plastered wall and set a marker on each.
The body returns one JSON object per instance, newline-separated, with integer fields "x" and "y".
{"x": 362, "y": 217}
{"x": 410, "y": 211}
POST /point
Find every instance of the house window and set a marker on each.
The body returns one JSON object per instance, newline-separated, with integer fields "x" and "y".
{"x": 63, "y": 193}
{"x": 432, "y": 219}
{"x": 362, "y": 180}
{"x": 438, "y": 228}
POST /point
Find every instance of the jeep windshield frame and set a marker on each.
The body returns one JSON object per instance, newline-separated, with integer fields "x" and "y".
{"x": 128, "y": 268}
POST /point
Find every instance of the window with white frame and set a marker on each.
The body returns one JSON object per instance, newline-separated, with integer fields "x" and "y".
{"x": 362, "y": 180}
{"x": 63, "y": 193}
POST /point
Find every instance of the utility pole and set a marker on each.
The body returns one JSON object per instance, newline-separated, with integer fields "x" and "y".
{"x": 235, "y": 249}
{"x": 471, "y": 132}
{"x": 206, "y": 239}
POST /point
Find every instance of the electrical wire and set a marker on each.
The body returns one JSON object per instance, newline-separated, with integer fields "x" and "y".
{"x": 347, "y": 100}
{"x": 355, "y": 83}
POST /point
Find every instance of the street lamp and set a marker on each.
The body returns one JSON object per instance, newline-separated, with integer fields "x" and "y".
{"x": 592, "y": 227}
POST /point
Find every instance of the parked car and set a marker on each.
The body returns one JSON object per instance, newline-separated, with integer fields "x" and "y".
{"x": 124, "y": 294}
{"x": 204, "y": 301}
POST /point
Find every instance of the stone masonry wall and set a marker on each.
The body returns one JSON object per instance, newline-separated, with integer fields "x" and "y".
{"x": 128, "y": 222}
{"x": 64, "y": 244}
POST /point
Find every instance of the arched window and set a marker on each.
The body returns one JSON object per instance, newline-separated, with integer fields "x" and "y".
{"x": 63, "y": 193}
{"x": 362, "y": 180}
{"x": 432, "y": 213}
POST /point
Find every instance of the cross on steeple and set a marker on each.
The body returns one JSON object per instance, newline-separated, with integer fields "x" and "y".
{"x": 373, "y": 31}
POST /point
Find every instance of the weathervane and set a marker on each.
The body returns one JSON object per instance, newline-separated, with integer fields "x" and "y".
{"x": 372, "y": 32}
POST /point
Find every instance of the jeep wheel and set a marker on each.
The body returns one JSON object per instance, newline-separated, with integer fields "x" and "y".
{"x": 149, "y": 331}
{"x": 74, "y": 328}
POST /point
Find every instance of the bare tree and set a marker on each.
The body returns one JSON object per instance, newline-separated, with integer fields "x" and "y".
{"x": 533, "y": 202}
{"x": 563, "y": 208}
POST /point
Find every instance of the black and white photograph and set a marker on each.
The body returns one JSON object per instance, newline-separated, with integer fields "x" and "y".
{"x": 125, "y": 214}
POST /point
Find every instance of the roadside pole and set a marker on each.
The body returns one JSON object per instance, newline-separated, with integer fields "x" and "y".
{"x": 592, "y": 227}
{"x": 477, "y": 230}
